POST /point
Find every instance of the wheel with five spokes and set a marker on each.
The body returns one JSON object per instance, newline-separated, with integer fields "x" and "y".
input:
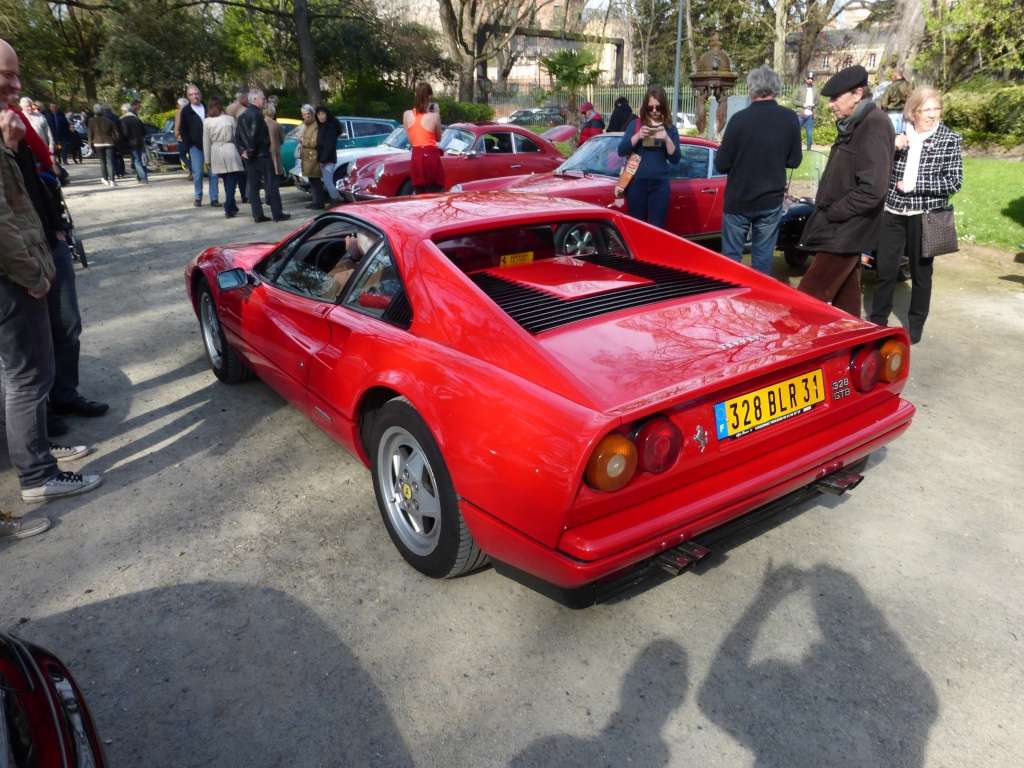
{"x": 416, "y": 496}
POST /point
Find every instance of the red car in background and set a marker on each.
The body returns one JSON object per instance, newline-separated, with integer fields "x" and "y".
{"x": 471, "y": 151}
{"x": 558, "y": 387}
{"x": 698, "y": 190}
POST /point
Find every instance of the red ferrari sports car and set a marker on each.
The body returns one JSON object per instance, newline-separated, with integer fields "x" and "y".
{"x": 698, "y": 190}
{"x": 549, "y": 384}
{"x": 471, "y": 151}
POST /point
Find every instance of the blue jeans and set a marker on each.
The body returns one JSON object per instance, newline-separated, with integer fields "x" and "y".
{"x": 327, "y": 174}
{"x": 763, "y": 227}
{"x": 65, "y": 326}
{"x": 807, "y": 123}
{"x": 896, "y": 118}
{"x": 26, "y": 375}
{"x": 139, "y": 163}
{"x": 648, "y": 200}
{"x": 195, "y": 155}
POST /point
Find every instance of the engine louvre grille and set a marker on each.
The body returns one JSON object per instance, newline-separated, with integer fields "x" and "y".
{"x": 537, "y": 311}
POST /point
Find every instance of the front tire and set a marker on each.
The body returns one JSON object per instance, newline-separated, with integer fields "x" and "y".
{"x": 415, "y": 495}
{"x": 224, "y": 361}
{"x": 797, "y": 259}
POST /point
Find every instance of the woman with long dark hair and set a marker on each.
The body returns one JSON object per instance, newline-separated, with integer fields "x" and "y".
{"x": 653, "y": 137}
{"x": 327, "y": 148}
{"x": 621, "y": 115}
{"x": 423, "y": 124}
{"x": 928, "y": 168}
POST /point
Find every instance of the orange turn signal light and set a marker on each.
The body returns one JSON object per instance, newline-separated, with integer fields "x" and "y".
{"x": 895, "y": 360}
{"x": 612, "y": 464}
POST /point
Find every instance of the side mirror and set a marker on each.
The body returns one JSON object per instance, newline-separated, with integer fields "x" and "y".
{"x": 373, "y": 300}
{"x": 232, "y": 279}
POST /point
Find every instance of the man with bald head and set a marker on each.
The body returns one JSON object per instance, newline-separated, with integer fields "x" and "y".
{"x": 26, "y": 346}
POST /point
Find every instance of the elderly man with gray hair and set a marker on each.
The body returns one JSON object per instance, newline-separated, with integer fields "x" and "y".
{"x": 760, "y": 143}
{"x": 252, "y": 137}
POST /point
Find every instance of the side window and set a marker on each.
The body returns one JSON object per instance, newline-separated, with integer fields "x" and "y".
{"x": 523, "y": 144}
{"x": 363, "y": 128}
{"x": 376, "y": 285}
{"x": 343, "y": 130}
{"x": 496, "y": 143}
{"x": 693, "y": 164}
{"x": 319, "y": 265}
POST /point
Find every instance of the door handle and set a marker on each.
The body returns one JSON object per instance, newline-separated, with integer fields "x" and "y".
{"x": 709, "y": 191}
{"x": 516, "y": 165}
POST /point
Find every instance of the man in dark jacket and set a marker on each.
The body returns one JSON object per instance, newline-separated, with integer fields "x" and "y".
{"x": 852, "y": 190}
{"x": 760, "y": 143}
{"x": 253, "y": 139}
{"x": 135, "y": 137}
{"x": 61, "y": 129}
{"x": 191, "y": 136}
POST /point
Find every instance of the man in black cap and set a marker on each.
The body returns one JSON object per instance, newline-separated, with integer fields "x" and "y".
{"x": 851, "y": 192}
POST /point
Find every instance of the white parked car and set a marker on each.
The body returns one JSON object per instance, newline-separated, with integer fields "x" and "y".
{"x": 397, "y": 141}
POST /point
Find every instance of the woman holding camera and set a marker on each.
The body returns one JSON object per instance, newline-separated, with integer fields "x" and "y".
{"x": 423, "y": 124}
{"x": 655, "y": 139}
{"x": 928, "y": 168}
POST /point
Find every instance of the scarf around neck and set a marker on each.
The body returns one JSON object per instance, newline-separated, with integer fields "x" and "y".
{"x": 914, "y": 155}
{"x": 847, "y": 125}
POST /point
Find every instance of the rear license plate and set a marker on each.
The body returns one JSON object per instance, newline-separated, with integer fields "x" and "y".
{"x": 511, "y": 259}
{"x": 768, "y": 405}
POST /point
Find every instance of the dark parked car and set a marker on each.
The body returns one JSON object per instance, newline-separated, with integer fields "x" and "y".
{"x": 162, "y": 144}
{"x": 44, "y": 721}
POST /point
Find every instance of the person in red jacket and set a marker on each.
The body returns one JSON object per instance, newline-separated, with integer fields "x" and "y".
{"x": 593, "y": 123}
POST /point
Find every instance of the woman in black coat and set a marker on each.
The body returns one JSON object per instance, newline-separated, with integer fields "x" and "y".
{"x": 621, "y": 115}
{"x": 327, "y": 148}
{"x": 929, "y": 167}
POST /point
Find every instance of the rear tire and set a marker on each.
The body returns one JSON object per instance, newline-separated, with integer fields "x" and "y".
{"x": 415, "y": 494}
{"x": 224, "y": 361}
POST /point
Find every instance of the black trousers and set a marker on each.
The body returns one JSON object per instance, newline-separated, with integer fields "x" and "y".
{"x": 260, "y": 170}
{"x": 902, "y": 234}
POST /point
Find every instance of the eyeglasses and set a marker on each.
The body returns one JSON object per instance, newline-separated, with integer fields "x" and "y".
{"x": 653, "y": 108}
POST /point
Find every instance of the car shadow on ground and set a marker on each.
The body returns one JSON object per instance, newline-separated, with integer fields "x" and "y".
{"x": 653, "y": 689}
{"x": 1015, "y": 210}
{"x": 854, "y": 697}
{"x": 233, "y": 675}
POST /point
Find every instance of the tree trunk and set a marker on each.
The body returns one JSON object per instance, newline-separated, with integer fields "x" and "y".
{"x": 779, "y": 45}
{"x": 467, "y": 78}
{"x": 691, "y": 51}
{"x": 902, "y": 45}
{"x": 89, "y": 81}
{"x": 307, "y": 57}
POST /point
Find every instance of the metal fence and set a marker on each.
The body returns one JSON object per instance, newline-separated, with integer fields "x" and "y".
{"x": 602, "y": 96}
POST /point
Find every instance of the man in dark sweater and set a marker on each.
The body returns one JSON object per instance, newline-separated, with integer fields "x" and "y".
{"x": 760, "y": 143}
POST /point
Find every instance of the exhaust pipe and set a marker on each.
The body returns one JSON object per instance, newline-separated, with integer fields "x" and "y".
{"x": 839, "y": 482}
{"x": 679, "y": 558}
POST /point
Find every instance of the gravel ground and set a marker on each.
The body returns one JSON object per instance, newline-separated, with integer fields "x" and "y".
{"x": 229, "y": 597}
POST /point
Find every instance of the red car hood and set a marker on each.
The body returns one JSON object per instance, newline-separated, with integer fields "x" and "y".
{"x": 629, "y": 362}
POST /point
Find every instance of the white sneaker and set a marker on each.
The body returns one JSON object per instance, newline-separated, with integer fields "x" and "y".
{"x": 12, "y": 528}
{"x": 60, "y": 485}
{"x": 70, "y": 452}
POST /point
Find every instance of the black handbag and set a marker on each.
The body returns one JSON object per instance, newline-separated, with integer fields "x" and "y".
{"x": 938, "y": 233}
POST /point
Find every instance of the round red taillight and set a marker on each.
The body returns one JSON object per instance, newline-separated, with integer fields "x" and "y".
{"x": 866, "y": 368}
{"x": 658, "y": 443}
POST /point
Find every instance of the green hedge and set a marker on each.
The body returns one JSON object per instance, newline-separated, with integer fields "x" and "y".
{"x": 464, "y": 111}
{"x": 986, "y": 112}
{"x": 158, "y": 118}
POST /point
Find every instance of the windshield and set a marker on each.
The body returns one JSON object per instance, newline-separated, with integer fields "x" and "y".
{"x": 599, "y": 155}
{"x": 456, "y": 140}
{"x": 397, "y": 139}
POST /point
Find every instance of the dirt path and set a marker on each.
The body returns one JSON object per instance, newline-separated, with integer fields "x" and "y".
{"x": 229, "y": 597}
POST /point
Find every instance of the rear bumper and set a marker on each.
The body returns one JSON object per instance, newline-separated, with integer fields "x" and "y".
{"x": 603, "y": 547}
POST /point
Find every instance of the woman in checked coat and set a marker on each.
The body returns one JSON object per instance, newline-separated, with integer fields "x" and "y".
{"x": 928, "y": 168}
